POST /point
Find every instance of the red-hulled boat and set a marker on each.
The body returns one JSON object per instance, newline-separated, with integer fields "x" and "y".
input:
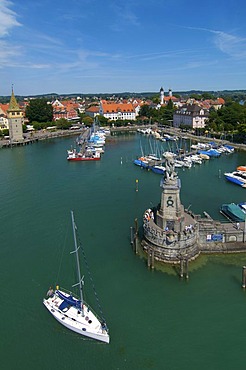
{"x": 87, "y": 156}
{"x": 241, "y": 168}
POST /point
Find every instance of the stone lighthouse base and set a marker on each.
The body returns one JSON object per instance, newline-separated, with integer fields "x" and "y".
{"x": 167, "y": 245}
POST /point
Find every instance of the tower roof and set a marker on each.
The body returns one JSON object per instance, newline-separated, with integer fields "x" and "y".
{"x": 13, "y": 105}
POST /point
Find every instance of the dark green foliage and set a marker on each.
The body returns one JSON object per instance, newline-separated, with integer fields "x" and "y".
{"x": 63, "y": 124}
{"x": 4, "y": 132}
{"x": 38, "y": 110}
{"x": 163, "y": 115}
{"x": 39, "y": 125}
{"x": 231, "y": 117}
{"x": 146, "y": 111}
{"x": 103, "y": 121}
{"x": 88, "y": 121}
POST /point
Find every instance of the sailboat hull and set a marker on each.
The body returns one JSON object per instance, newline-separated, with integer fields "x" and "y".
{"x": 87, "y": 325}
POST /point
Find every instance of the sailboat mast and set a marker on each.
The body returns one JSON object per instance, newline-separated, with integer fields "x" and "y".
{"x": 77, "y": 260}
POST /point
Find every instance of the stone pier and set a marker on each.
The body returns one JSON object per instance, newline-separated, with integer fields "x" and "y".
{"x": 173, "y": 234}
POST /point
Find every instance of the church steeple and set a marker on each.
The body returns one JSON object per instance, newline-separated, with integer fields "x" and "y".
{"x": 13, "y": 105}
{"x": 15, "y": 119}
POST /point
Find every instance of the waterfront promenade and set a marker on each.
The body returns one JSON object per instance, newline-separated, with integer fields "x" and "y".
{"x": 30, "y": 138}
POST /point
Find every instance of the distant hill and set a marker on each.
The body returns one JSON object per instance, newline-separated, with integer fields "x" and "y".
{"x": 238, "y": 94}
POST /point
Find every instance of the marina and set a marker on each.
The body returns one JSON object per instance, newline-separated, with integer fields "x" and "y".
{"x": 103, "y": 195}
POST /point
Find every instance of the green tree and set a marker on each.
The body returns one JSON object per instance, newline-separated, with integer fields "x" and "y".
{"x": 88, "y": 121}
{"x": 145, "y": 111}
{"x": 38, "y": 125}
{"x": 38, "y": 110}
{"x": 207, "y": 95}
{"x": 63, "y": 124}
{"x": 103, "y": 121}
{"x": 195, "y": 96}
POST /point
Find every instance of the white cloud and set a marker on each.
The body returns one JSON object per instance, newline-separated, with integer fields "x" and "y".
{"x": 124, "y": 14}
{"x": 8, "y": 53}
{"x": 227, "y": 43}
{"x": 7, "y": 18}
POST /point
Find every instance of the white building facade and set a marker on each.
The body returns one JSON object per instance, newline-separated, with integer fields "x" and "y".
{"x": 190, "y": 115}
{"x": 117, "y": 111}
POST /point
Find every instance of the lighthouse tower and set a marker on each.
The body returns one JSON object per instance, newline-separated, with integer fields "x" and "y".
{"x": 15, "y": 119}
{"x": 171, "y": 213}
{"x": 170, "y": 232}
{"x": 162, "y": 95}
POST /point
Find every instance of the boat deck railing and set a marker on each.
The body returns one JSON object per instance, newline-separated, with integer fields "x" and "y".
{"x": 84, "y": 302}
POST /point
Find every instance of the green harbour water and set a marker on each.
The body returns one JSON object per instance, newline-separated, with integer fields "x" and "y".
{"x": 156, "y": 320}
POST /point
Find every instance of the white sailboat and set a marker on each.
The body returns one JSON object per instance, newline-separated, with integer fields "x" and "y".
{"x": 73, "y": 312}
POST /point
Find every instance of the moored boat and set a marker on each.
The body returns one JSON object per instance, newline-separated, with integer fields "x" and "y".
{"x": 158, "y": 169}
{"x": 233, "y": 212}
{"x": 178, "y": 163}
{"x": 86, "y": 156}
{"x": 241, "y": 168}
{"x": 210, "y": 152}
{"x": 242, "y": 205}
{"x": 237, "y": 177}
{"x": 141, "y": 162}
{"x": 204, "y": 156}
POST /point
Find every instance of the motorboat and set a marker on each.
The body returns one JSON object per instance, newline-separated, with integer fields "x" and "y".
{"x": 241, "y": 168}
{"x": 233, "y": 211}
{"x": 210, "y": 152}
{"x": 237, "y": 177}
{"x": 86, "y": 156}
{"x": 204, "y": 156}
{"x": 142, "y": 162}
{"x": 178, "y": 163}
{"x": 196, "y": 158}
{"x": 158, "y": 169}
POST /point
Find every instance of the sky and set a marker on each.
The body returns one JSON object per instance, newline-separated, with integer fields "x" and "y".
{"x": 109, "y": 46}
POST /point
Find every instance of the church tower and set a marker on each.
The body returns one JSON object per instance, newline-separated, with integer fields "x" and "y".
{"x": 162, "y": 95}
{"x": 15, "y": 119}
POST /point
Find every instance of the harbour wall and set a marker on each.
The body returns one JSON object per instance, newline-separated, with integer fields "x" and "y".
{"x": 207, "y": 237}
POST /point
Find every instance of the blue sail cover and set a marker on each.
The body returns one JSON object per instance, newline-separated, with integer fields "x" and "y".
{"x": 69, "y": 301}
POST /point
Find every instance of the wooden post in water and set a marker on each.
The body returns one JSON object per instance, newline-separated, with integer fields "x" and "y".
{"x": 187, "y": 268}
{"x": 153, "y": 259}
{"x": 136, "y": 226}
{"x": 136, "y": 236}
{"x": 149, "y": 257}
{"x": 131, "y": 235}
{"x": 181, "y": 268}
{"x": 244, "y": 277}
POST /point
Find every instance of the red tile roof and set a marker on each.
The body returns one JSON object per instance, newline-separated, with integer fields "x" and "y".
{"x": 93, "y": 109}
{"x": 113, "y": 107}
{"x": 4, "y": 107}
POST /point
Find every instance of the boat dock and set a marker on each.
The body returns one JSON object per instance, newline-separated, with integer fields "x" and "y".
{"x": 31, "y": 138}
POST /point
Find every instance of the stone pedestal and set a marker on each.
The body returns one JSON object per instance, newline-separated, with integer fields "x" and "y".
{"x": 170, "y": 216}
